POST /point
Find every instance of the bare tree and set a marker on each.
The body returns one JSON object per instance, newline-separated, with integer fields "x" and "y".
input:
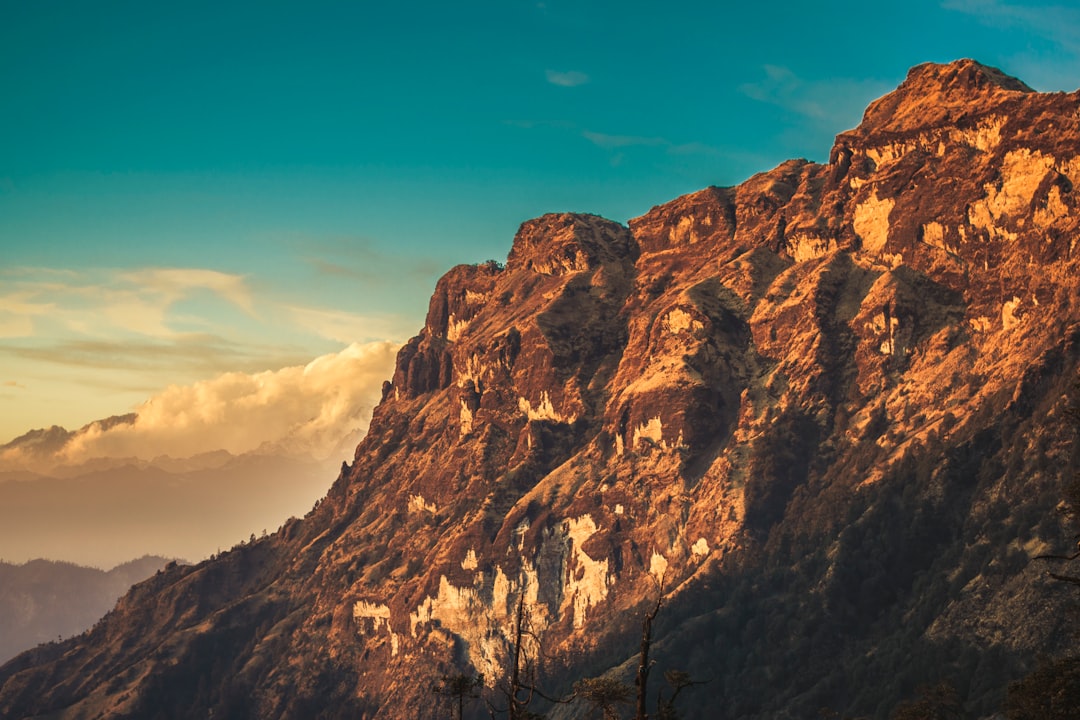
{"x": 520, "y": 689}
{"x": 644, "y": 663}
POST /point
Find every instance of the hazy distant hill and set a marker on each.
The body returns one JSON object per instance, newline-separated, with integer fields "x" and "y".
{"x": 42, "y": 600}
{"x": 110, "y": 510}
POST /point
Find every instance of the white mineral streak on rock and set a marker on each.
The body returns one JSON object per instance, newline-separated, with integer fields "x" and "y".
{"x": 474, "y": 370}
{"x": 483, "y": 614}
{"x": 470, "y": 562}
{"x": 678, "y": 321}
{"x": 658, "y": 565}
{"x": 455, "y": 327}
{"x": 619, "y": 447}
{"x": 587, "y": 580}
{"x": 544, "y": 411}
{"x": 519, "y": 534}
{"x": 933, "y": 234}
{"x": 464, "y": 612}
{"x": 878, "y": 326}
{"x": 983, "y": 137}
{"x": 1055, "y": 209}
{"x": 700, "y": 548}
{"x": 652, "y": 431}
{"x": 871, "y": 222}
{"x": 417, "y": 504}
{"x": 379, "y": 615}
{"x": 683, "y": 231}
{"x": 1009, "y": 318}
{"x": 475, "y": 298}
{"x": 804, "y": 246}
{"x": 1022, "y": 171}
{"x": 890, "y": 152}
{"x": 466, "y": 419}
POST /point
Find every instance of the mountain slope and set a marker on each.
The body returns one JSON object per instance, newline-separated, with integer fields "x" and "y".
{"x": 822, "y": 410}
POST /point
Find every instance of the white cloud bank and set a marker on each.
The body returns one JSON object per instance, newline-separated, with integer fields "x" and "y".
{"x": 306, "y": 410}
{"x": 312, "y": 410}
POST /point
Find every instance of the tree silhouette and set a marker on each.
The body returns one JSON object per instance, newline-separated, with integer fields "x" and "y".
{"x": 604, "y": 693}
{"x": 459, "y": 687}
{"x": 519, "y": 689}
{"x": 644, "y": 663}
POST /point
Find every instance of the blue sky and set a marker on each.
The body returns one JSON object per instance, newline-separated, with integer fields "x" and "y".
{"x": 193, "y": 188}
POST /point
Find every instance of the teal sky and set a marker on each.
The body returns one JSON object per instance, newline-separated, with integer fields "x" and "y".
{"x": 193, "y": 188}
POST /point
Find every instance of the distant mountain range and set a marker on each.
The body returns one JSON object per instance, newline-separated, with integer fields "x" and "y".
{"x": 804, "y": 438}
{"x": 44, "y": 601}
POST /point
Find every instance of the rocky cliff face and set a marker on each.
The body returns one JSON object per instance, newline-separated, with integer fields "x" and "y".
{"x": 821, "y": 410}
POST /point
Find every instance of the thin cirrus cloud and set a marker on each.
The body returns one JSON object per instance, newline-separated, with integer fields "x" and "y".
{"x": 612, "y": 142}
{"x": 1058, "y": 25}
{"x": 172, "y": 284}
{"x": 571, "y": 78}
{"x": 341, "y": 326}
{"x": 828, "y": 104}
{"x": 101, "y": 302}
{"x": 192, "y": 354}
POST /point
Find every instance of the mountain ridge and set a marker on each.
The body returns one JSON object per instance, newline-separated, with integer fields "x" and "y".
{"x": 823, "y": 410}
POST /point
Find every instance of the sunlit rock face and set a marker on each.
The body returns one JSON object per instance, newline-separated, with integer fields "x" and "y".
{"x": 822, "y": 411}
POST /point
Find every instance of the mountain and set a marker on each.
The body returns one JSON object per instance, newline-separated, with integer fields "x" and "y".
{"x": 821, "y": 415}
{"x": 42, "y": 600}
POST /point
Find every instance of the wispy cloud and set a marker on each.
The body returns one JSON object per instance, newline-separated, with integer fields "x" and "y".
{"x": 618, "y": 143}
{"x": 612, "y": 142}
{"x": 1055, "y": 68}
{"x": 188, "y": 355}
{"x": 1058, "y": 23}
{"x": 173, "y": 284}
{"x": 14, "y": 384}
{"x": 103, "y": 302}
{"x": 345, "y": 327}
{"x": 572, "y": 78}
{"x": 362, "y": 259}
{"x": 829, "y": 105}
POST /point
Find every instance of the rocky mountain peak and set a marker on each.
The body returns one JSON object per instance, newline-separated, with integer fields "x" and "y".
{"x": 561, "y": 243}
{"x": 938, "y": 94}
